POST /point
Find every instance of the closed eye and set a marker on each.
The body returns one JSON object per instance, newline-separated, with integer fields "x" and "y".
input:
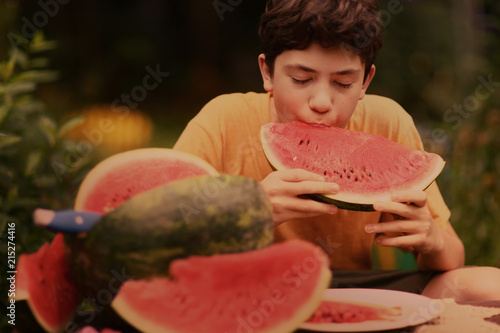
{"x": 343, "y": 85}
{"x": 300, "y": 81}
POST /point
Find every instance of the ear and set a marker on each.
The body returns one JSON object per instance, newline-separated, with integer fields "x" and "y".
{"x": 367, "y": 81}
{"x": 267, "y": 78}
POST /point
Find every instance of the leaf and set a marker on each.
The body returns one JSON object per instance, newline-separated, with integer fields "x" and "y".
{"x": 20, "y": 58}
{"x": 69, "y": 125}
{"x": 39, "y": 44}
{"x": 27, "y": 104}
{"x": 7, "y": 68}
{"x": 7, "y": 140}
{"x": 43, "y": 46}
{"x": 32, "y": 162}
{"x": 49, "y": 129}
{"x": 4, "y": 111}
{"x": 40, "y": 62}
{"x": 36, "y": 76}
{"x": 18, "y": 88}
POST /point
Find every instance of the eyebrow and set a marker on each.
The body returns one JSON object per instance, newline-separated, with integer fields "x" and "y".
{"x": 311, "y": 70}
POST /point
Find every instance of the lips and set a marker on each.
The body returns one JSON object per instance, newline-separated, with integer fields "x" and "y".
{"x": 318, "y": 124}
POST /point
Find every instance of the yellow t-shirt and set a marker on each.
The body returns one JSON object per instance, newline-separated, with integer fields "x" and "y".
{"x": 226, "y": 134}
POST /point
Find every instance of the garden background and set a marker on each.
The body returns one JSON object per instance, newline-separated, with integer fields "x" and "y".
{"x": 155, "y": 63}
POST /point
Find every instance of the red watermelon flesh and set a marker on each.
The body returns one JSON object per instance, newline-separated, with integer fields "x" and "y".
{"x": 367, "y": 167}
{"x": 269, "y": 290}
{"x": 43, "y": 280}
{"x": 124, "y": 175}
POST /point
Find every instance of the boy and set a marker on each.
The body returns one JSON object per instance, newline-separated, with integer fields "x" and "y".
{"x": 316, "y": 65}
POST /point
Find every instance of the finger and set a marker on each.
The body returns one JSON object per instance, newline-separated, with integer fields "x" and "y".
{"x": 402, "y": 209}
{"x": 310, "y": 187}
{"x": 311, "y": 206}
{"x": 415, "y": 197}
{"x": 395, "y": 227}
{"x": 298, "y": 175}
{"x": 301, "y": 208}
{"x": 405, "y": 241}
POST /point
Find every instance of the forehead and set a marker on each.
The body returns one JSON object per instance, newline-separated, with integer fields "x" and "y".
{"x": 320, "y": 59}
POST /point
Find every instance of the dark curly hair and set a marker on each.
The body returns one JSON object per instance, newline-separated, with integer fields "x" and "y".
{"x": 353, "y": 25}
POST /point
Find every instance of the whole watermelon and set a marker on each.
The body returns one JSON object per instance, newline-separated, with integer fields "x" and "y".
{"x": 197, "y": 216}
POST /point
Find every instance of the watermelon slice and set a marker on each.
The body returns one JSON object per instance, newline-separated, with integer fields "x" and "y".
{"x": 367, "y": 167}
{"x": 341, "y": 311}
{"x": 124, "y": 175}
{"x": 43, "y": 280}
{"x": 269, "y": 290}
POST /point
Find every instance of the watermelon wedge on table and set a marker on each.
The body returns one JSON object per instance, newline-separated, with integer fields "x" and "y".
{"x": 44, "y": 282}
{"x": 367, "y": 167}
{"x": 270, "y": 290}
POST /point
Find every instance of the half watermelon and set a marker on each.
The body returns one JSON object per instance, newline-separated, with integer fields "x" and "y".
{"x": 269, "y": 290}
{"x": 367, "y": 167}
{"x": 124, "y": 175}
{"x": 197, "y": 216}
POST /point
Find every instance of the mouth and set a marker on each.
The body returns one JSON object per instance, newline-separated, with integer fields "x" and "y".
{"x": 318, "y": 124}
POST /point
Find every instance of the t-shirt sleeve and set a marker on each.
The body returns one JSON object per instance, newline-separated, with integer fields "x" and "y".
{"x": 202, "y": 135}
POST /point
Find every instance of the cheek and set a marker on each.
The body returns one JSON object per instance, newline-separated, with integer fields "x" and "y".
{"x": 345, "y": 112}
{"x": 287, "y": 102}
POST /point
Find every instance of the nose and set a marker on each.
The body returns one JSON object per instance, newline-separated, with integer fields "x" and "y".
{"x": 321, "y": 101}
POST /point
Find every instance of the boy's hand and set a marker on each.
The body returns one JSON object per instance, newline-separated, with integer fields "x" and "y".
{"x": 284, "y": 187}
{"x": 413, "y": 226}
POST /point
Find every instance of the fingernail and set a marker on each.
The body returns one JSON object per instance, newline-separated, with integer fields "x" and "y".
{"x": 334, "y": 210}
{"x": 377, "y": 205}
{"x": 369, "y": 228}
{"x": 335, "y": 187}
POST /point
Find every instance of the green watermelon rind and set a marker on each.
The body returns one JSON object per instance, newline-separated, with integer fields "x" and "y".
{"x": 345, "y": 200}
{"x": 362, "y": 207}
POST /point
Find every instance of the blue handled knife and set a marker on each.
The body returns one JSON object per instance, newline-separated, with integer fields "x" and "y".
{"x": 66, "y": 221}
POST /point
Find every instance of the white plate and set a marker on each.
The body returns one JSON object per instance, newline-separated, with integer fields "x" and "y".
{"x": 416, "y": 309}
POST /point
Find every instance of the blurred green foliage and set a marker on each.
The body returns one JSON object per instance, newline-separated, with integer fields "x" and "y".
{"x": 33, "y": 167}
